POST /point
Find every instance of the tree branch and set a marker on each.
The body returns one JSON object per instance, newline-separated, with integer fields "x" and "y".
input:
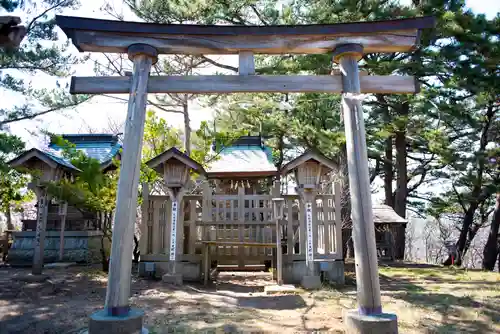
{"x": 31, "y": 116}
{"x": 118, "y": 71}
{"x": 376, "y": 171}
{"x": 213, "y": 62}
{"x": 30, "y": 25}
{"x": 417, "y": 213}
{"x": 459, "y": 197}
{"x": 159, "y": 106}
{"x": 416, "y": 185}
{"x": 254, "y": 9}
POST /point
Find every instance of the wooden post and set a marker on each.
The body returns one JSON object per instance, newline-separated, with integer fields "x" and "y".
{"x": 192, "y": 227}
{"x": 309, "y": 226}
{"x": 156, "y": 235}
{"x": 62, "y": 212}
{"x": 174, "y": 222}
{"x": 279, "y": 254}
{"x": 120, "y": 267}
{"x": 206, "y": 263}
{"x": 337, "y": 203}
{"x": 241, "y": 226}
{"x": 290, "y": 241}
{"x": 41, "y": 223}
{"x": 143, "y": 242}
{"x": 176, "y": 229}
{"x": 246, "y": 63}
{"x": 368, "y": 287}
{"x": 276, "y": 193}
{"x": 166, "y": 227}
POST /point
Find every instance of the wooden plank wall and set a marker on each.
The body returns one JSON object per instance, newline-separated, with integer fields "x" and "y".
{"x": 241, "y": 218}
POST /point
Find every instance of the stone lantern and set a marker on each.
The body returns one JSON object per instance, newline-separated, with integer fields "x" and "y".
{"x": 308, "y": 170}
{"x": 176, "y": 168}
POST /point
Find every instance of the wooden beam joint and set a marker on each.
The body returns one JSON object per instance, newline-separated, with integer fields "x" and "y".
{"x": 135, "y": 50}
{"x": 355, "y": 50}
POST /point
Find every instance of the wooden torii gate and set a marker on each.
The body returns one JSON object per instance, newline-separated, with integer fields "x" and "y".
{"x": 144, "y": 41}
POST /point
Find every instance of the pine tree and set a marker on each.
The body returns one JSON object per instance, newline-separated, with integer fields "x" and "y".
{"x": 40, "y": 53}
{"x": 12, "y": 182}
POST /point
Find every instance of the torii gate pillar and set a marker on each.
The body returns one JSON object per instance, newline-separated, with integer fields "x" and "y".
{"x": 117, "y": 316}
{"x": 368, "y": 318}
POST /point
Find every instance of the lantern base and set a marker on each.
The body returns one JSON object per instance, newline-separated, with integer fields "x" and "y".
{"x": 384, "y": 323}
{"x": 311, "y": 282}
{"x": 175, "y": 279}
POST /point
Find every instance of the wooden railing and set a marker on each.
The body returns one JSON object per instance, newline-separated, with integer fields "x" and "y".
{"x": 241, "y": 218}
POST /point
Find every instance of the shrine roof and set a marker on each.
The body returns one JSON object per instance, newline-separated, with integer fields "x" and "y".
{"x": 246, "y": 157}
{"x": 385, "y": 214}
{"x": 102, "y": 147}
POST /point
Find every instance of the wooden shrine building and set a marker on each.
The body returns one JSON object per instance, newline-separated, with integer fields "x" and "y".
{"x": 70, "y": 234}
{"x": 389, "y": 234}
{"x": 233, "y": 215}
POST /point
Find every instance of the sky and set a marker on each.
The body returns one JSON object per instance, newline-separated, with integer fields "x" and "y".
{"x": 97, "y": 114}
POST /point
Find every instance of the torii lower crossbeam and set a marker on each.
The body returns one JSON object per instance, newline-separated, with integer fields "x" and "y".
{"x": 225, "y": 84}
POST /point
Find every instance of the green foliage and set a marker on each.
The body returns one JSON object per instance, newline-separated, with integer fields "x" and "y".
{"x": 91, "y": 190}
{"x": 159, "y": 136}
{"x": 40, "y": 54}
{"x": 12, "y": 182}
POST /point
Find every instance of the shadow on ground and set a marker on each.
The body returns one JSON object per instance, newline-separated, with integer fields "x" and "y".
{"x": 454, "y": 304}
{"x": 55, "y": 306}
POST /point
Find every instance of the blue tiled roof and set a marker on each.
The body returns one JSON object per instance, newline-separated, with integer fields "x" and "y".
{"x": 247, "y": 154}
{"x": 102, "y": 147}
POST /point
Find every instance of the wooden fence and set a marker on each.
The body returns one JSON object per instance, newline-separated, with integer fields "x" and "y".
{"x": 240, "y": 218}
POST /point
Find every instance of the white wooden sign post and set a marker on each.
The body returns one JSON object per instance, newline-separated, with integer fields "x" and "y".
{"x": 173, "y": 231}
{"x": 309, "y": 229}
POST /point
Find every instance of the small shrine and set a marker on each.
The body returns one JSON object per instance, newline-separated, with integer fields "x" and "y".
{"x": 245, "y": 163}
{"x": 235, "y": 220}
{"x": 70, "y": 234}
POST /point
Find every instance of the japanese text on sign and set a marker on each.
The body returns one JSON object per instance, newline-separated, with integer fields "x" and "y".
{"x": 40, "y": 218}
{"x": 173, "y": 232}
{"x": 309, "y": 227}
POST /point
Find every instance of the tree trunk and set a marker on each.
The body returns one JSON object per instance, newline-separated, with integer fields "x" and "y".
{"x": 281, "y": 148}
{"x": 106, "y": 224}
{"x": 464, "y": 239}
{"x": 490, "y": 252}
{"x": 388, "y": 173}
{"x": 136, "y": 250}
{"x": 187, "y": 129}
{"x": 345, "y": 211}
{"x": 476, "y": 196}
{"x": 498, "y": 263}
{"x": 104, "y": 256}
{"x": 8, "y": 214}
{"x": 401, "y": 165}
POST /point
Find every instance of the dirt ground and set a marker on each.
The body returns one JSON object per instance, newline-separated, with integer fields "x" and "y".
{"x": 426, "y": 300}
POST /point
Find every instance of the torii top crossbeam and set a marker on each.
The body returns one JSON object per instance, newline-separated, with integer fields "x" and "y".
{"x": 116, "y": 36}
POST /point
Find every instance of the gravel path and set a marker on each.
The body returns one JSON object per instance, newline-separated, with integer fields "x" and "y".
{"x": 236, "y": 303}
